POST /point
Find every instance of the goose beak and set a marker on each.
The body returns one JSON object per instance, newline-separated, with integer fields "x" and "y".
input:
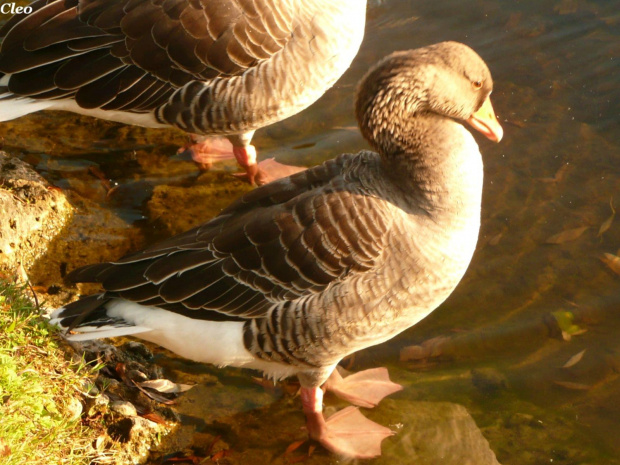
{"x": 485, "y": 121}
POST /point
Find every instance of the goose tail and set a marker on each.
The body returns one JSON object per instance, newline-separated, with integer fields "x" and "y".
{"x": 95, "y": 317}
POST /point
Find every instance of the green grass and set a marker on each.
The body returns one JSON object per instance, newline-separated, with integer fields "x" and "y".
{"x": 39, "y": 389}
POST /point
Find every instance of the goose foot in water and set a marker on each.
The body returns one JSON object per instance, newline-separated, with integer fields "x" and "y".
{"x": 365, "y": 389}
{"x": 204, "y": 151}
{"x": 347, "y": 432}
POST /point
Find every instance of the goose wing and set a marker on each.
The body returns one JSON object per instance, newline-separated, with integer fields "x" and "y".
{"x": 289, "y": 239}
{"x": 131, "y": 55}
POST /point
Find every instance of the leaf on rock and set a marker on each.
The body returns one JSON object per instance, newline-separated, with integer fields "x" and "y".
{"x": 165, "y": 386}
{"x": 566, "y": 236}
{"x": 154, "y": 395}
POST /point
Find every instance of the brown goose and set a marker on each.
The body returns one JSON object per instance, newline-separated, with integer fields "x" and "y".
{"x": 211, "y": 67}
{"x": 301, "y": 272}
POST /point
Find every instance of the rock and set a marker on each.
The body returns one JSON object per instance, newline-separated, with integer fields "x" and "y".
{"x": 139, "y": 349}
{"x": 126, "y": 409}
{"x": 73, "y": 409}
{"x": 138, "y": 434}
{"x": 488, "y": 380}
{"x": 440, "y": 432}
{"x": 33, "y": 214}
{"x": 96, "y": 405}
{"x": 207, "y": 198}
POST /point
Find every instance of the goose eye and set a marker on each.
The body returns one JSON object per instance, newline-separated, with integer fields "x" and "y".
{"x": 477, "y": 84}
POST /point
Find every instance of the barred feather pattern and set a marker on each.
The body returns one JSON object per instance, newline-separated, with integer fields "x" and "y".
{"x": 331, "y": 260}
{"x": 205, "y": 66}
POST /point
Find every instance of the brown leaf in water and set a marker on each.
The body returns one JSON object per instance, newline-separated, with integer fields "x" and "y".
{"x": 612, "y": 261}
{"x": 574, "y": 360}
{"x": 560, "y": 174}
{"x": 293, "y": 447}
{"x": 566, "y": 236}
{"x": 607, "y": 223}
{"x": 220, "y": 455}
{"x": 513, "y": 20}
{"x": 495, "y": 239}
{"x": 193, "y": 459}
{"x": 573, "y": 386}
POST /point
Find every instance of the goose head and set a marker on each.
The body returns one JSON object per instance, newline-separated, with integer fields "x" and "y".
{"x": 402, "y": 95}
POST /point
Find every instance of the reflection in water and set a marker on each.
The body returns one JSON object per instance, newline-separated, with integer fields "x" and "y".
{"x": 535, "y": 295}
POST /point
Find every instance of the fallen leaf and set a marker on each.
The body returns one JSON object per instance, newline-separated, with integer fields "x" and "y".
{"x": 566, "y": 236}
{"x": 154, "y": 417}
{"x": 5, "y": 450}
{"x": 495, "y": 239}
{"x": 573, "y": 386}
{"x": 559, "y": 175}
{"x": 165, "y": 386}
{"x": 294, "y": 446}
{"x": 101, "y": 442}
{"x": 612, "y": 261}
{"x": 220, "y": 455}
{"x": 154, "y": 395}
{"x": 565, "y": 322}
{"x": 194, "y": 459}
{"x": 574, "y": 360}
{"x": 607, "y": 223}
{"x": 301, "y": 458}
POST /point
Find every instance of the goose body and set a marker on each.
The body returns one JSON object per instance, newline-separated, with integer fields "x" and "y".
{"x": 297, "y": 274}
{"x": 211, "y": 67}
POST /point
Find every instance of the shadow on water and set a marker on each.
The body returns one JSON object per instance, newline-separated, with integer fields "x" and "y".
{"x": 536, "y": 296}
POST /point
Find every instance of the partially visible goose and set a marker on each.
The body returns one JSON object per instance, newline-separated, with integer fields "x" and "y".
{"x": 299, "y": 273}
{"x": 212, "y": 67}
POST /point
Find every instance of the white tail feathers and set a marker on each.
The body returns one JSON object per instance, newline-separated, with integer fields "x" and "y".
{"x": 12, "y": 107}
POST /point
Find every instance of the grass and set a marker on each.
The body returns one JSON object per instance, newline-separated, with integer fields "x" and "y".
{"x": 40, "y": 390}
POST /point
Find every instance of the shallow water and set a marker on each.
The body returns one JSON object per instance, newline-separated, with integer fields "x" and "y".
{"x": 525, "y": 306}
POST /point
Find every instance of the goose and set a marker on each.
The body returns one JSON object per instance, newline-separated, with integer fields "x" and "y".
{"x": 301, "y": 272}
{"x": 210, "y": 67}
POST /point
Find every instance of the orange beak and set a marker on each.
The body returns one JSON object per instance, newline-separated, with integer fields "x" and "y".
{"x": 485, "y": 121}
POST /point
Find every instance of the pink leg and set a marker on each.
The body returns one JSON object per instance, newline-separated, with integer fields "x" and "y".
{"x": 263, "y": 172}
{"x": 346, "y": 433}
{"x": 205, "y": 151}
{"x": 365, "y": 388}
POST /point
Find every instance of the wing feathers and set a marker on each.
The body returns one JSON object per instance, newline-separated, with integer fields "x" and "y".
{"x": 257, "y": 255}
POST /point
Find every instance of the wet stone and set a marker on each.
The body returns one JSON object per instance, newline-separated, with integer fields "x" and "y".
{"x": 126, "y": 409}
{"x": 438, "y": 432}
{"x": 33, "y": 212}
{"x": 488, "y": 380}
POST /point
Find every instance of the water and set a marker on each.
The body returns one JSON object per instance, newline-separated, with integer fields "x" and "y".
{"x": 556, "y": 69}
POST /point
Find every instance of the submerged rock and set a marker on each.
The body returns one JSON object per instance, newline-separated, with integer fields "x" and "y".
{"x": 33, "y": 213}
{"x": 439, "y": 432}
